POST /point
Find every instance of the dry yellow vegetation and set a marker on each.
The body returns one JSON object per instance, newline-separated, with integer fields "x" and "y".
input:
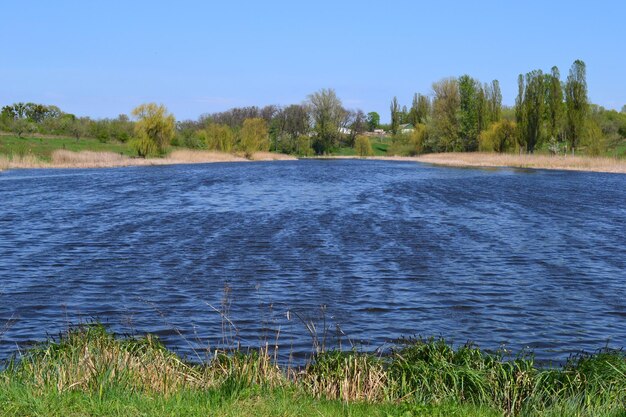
{"x": 564, "y": 162}
{"x": 89, "y": 159}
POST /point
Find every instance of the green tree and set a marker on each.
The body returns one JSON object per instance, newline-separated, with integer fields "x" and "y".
{"x": 395, "y": 116}
{"x": 254, "y": 136}
{"x": 554, "y": 103}
{"x": 78, "y": 127}
{"x": 446, "y": 108}
{"x": 219, "y": 137}
{"x": 373, "y": 121}
{"x": 493, "y": 96}
{"x": 423, "y": 109}
{"x": 362, "y": 146}
{"x": 20, "y": 126}
{"x": 327, "y": 114}
{"x": 420, "y": 110}
{"x": 576, "y": 103}
{"x": 287, "y": 125}
{"x": 529, "y": 109}
{"x": 500, "y": 137}
{"x": 154, "y": 129}
{"x": 593, "y": 138}
{"x": 470, "y": 103}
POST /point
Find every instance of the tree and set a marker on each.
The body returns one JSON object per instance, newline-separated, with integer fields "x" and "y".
{"x": 594, "y": 139}
{"x": 373, "y": 121}
{"x": 362, "y": 146}
{"x": 446, "y": 106}
{"x": 20, "y": 126}
{"x": 554, "y": 103}
{"x": 287, "y": 125}
{"x": 423, "y": 108}
{"x": 253, "y": 136}
{"x": 219, "y": 137}
{"x": 395, "y": 116}
{"x": 154, "y": 129}
{"x": 624, "y": 108}
{"x": 533, "y": 107}
{"x": 470, "y": 104}
{"x": 493, "y": 95}
{"x": 576, "y": 103}
{"x": 78, "y": 127}
{"x": 529, "y": 107}
{"x": 355, "y": 122}
{"x": 327, "y": 114}
{"x": 500, "y": 137}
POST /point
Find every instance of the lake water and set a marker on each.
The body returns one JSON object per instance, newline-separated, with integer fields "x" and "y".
{"x": 370, "y": 250}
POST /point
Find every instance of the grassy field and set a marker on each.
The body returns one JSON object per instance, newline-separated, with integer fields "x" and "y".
{"x": 90, "y": 372}
{"x": 42, "y": 148}
{"x": 379, "y": 149}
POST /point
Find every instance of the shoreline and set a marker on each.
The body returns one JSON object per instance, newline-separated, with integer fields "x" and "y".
{"x": 494, "y": 160}
{"x": 526, "y": 161}
{"x": 88, "y": 365}
{"x": 89, "y": 159}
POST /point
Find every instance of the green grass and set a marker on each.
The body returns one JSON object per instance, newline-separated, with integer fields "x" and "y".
{"x": 91, "y": 372}
{"x": 42, "y": 148}
{"x": 379, "y": 149}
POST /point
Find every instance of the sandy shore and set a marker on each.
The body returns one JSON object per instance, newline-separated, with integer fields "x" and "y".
{"x": 88, "y": 159}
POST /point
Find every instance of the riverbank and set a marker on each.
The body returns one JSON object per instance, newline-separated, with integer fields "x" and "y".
{"x": 91, "y": 372}
{"x": 90, "y": 159}
{"x": 483, "y": 159}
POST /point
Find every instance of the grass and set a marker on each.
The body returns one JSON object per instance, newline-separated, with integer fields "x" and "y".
{"x": 379, "y": 149}
{"x": 43, "y": 147}
{"x": 60, "y": 152}
{"x": 90, "y": 372}
{"x": 483, "y": 159}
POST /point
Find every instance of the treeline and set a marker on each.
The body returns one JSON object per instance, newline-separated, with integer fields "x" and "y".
{"x": 465, "y": 116}
{"x": 319, "y": 126}
{"x": 460, "y": 114}
{"x": 30, "y": 118}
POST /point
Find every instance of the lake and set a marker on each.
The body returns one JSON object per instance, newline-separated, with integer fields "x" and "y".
{"x": 244, "y": 253}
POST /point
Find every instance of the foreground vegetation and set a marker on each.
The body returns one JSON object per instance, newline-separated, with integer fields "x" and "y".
{"x": 90, "y": 372}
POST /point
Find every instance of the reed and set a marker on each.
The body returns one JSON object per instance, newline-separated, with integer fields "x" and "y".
{"x": 416, "y": 374}
{"x": 562, "y": 162}
{"x": 61, "y": 158}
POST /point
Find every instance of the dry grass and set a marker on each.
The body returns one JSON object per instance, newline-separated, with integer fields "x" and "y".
{"x": 4, "y": 162}
{"x": 188, "y": 156}
{"x": 482, "y": 159}
{"x": 270, "y": 156}
{"x": 347, "y": 377}
{"x": 89, "y": 159}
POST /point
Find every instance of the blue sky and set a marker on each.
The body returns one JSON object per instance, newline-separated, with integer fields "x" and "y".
{"x": 102, "y": 58}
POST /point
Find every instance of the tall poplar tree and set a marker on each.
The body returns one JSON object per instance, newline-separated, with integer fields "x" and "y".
{"x": 395, "y": 115}
{"x": 576, "y": 103}
{"x": 555, "y": 103}
{"x": 469, "y": 115}
{"x": 534, "y": 98}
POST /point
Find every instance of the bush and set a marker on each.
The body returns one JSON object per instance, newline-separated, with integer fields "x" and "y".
{"x": 409, "y": 144}
{"x": 363, "y": 146}
{"x": 500, "y": 137}
{"x": 219, "y": 137}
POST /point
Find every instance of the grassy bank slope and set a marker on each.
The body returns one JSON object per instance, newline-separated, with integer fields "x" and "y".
{"x": 89, "y": 372}
{"x": 61, "y": 152}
